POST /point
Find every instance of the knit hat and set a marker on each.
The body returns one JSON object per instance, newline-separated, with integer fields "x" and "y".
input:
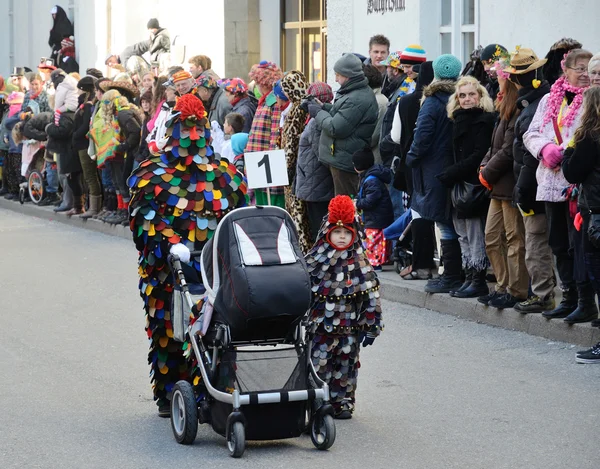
{"x": 234, "y": 85}
{"x": 87, "y": 83}
{"x": 363, "y": 159}
{"x": 393, "y": 60}
{"x": 341, "y": 213}
{"x": 265, "y": 73}
{"x": 94, "y": 72}
{"x": 182, "y": 75}
{"x": 349, "y": 66}
{"x": 207, "y": 80}
{"x": 414, "y": 54}
{"x": 491, "y": 51}
{"x": 321, "y": 91}
{"x": 239, "y": 142}
{"x": 153, "y": 24}
{"x": 278, "y": 91}
{"x": 446, "y": 67}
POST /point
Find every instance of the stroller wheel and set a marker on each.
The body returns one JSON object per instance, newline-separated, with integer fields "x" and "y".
{"x": 35, "y": 185}
{"x": 322, "y": 432}
{"x": 236, "y": 440}
{"x": 184, "y": 413}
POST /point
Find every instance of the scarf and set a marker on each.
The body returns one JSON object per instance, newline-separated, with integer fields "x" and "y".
{"x": 556, "y": 102}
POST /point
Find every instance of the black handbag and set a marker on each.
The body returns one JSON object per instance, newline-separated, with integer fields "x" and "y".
{"x": 469, "y": 199}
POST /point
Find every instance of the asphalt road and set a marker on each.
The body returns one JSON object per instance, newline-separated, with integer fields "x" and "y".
{"x": 434, "y": 391}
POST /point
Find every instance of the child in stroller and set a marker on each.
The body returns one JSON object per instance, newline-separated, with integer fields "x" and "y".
{"x": 252, "y": 377}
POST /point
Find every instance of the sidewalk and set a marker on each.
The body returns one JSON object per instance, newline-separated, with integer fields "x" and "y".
{"x": 393, "y": 289}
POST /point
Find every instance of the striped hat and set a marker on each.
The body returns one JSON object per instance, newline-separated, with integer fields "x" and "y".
{"x": 413, "y": 55}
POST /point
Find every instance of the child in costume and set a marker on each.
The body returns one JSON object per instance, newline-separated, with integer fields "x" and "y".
{"x": 346, "y": 310}
{"x": 179, "y": 195}
{"x": 375, "y": 203}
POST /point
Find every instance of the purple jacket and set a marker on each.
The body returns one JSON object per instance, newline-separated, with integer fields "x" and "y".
{"x": 551, "y": 182}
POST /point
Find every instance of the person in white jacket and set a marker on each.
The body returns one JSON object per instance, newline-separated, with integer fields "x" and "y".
{"x": 66, "y": 95}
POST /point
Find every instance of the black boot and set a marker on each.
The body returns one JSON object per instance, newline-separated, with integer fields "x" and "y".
{"x": 477, "y": 288}
{"x": 465, "y": 285}
{"x": 567, "y": 305}
{"x": 586, "y": 305}
{"x": 451, "y": 278}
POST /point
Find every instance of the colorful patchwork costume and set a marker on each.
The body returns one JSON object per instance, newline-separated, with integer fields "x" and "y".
{"x": 346, "y": 308}
{"x": 178, "y": 196}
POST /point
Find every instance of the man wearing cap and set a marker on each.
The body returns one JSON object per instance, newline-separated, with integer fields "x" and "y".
{"x": 526, "y": 73}
{"x": 160, "y": 41}
{"x": 46, "y": 67}
{"x": 214, "y": 98}
{"x": 17, "y": 78}
{"x": 347, "y": 124}
{"x": 490, "y": 55}
{"x": 236, "y": 92}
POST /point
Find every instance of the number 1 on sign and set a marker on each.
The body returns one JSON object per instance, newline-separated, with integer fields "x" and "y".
{"x": 267, "y": 164}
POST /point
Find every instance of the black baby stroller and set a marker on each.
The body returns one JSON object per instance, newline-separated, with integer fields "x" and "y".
{"x": 257, "y": 379}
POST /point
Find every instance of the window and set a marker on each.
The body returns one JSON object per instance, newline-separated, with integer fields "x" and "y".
{"x": 459, "y": 27}
{"x": 304, "y": 37}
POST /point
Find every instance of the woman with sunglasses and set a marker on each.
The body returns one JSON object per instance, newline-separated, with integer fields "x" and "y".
{"x": 551, "y": 132}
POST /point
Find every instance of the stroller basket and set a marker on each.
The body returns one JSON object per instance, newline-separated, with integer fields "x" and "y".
{"x": 277, "y": 374}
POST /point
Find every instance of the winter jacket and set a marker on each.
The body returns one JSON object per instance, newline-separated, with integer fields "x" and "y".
{"x": 374, "y": 198}
{"x": 550, "y": 182}
{"x": 498, "y": 163}
{"x": 61, "y": 28}
{"x": 81, "y": 126}
{"x": 137, "y": 49}
{"x": 525, "y": 164}
{"x": 130, "y": 124}
{"x": 348, "y": 124}
{"x": 387, "y": 147}
{"x": 382, "y": 103}
{"x": 431, "y": 152}
{"x": 41, "y": 99}
{"x": 219, "y": 107}
{"x": 143, "y": 151}
{"x": 10, "y": 124}
{"x": 581, "y": 165}
{"x": 313, "y": 178}
{"x": 405, "y": 122}
{"x": 471, "y": 139}
{"x": 35, "y": 126}
{"x": 60, "y": 141}
{"x": 66, "y": 97}
{"x": 247, "y": 108}
{"x": 160, "y": 44}
{"x": 4, "y": 138}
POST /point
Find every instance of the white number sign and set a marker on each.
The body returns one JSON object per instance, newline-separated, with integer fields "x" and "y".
{"x": 266, "y": 169}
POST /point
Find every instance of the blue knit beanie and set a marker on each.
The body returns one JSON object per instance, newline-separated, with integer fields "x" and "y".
{"x": 447, "y": 67}
{"x": 278, "y": 91}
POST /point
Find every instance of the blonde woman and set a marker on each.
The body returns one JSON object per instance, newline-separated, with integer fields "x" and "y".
{"x": 129, "y": 118}
{"x": 472, "y": 111}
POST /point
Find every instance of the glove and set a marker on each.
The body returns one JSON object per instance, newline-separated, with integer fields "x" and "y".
{"x": 314, "y": 108}
{"x": 181, "y": 251}
{"x": 57, "y": 114}
{"x": 484, "y": 183}
{"x": 365, "y": 340}
{"x": 551, "y": 155}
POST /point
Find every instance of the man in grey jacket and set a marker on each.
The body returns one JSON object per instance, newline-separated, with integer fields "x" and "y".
{"x": 347, "y": 124}
{"x": 214, "y": 98}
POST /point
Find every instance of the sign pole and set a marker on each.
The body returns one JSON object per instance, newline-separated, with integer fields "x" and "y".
{"x": 268, "y": 196}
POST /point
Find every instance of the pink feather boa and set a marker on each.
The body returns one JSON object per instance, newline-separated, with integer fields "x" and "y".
{"x": 555, "y": 100}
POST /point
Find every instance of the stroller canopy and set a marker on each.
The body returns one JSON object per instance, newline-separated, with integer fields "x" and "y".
{"x": 255, "y": 274}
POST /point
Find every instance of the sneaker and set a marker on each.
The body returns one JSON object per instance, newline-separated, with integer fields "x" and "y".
{"x": 535, "y": 304}
{"x": 485, "y": 299}
{"x": 590, "y": 356}
{"x": 505, "y": 301}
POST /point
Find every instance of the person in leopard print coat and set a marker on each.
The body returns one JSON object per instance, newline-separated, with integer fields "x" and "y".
{"x": 294, "y": 85}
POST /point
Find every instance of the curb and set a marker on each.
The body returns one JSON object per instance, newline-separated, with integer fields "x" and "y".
{"x": 411, "y": 292}
{"x": 393, "y": 288}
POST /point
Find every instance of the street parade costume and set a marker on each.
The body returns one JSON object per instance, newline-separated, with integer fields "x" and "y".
{"x": 178, "y": 196}
{"x": 346, "y": 307}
